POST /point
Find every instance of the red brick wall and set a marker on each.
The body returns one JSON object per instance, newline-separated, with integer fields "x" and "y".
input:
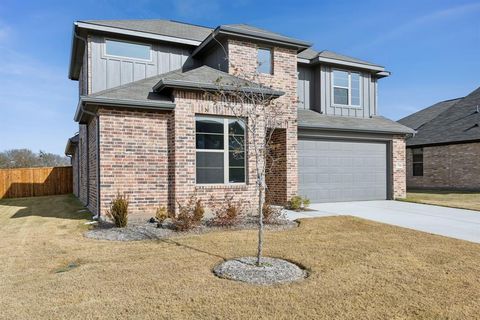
{"x": 242, "y": 59}
{"x": 454, "y": 166}
{"x": 92, "y": 165}
{"x": 83, "y": 176}
{"x": 75, "y": 168}
{"x": 277, "y": 168}
{"x": 134, "y": 159}
{"x": 399, "y": 167}
{"x": 188, "y": 104}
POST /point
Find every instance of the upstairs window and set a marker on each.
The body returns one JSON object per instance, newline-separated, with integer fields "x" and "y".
{"x": 127, "y": 49}
{"x": 346, "y": 88}
{"x": 220, "y": 150}
{"x": 417, "y": 155}
{"x": 264, "y": 61}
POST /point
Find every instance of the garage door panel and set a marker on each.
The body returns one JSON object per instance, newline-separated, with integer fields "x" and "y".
{"x": 339, "y": 170}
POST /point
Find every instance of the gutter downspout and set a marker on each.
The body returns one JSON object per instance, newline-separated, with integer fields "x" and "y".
{"x": 97, "y": 134}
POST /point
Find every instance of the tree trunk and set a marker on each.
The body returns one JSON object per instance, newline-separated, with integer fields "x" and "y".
{"x": 260, "y": 222}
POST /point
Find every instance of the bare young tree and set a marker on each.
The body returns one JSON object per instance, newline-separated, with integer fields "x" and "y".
{"x": 257, "y": 107}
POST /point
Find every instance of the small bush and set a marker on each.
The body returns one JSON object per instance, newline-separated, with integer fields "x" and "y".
{"x": 189, "y": 215}
{"x": 295, "y": 203}
{"x": 272, "y": 214}
{"x": 228, "y": 214}
{"x": 161, "y": 214}
{"x": 298, "y": 202}
{"x": 306, "y": 203}
{"x": 118, "y": 211}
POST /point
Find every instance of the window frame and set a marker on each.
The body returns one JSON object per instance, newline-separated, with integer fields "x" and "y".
{"x": 106, "y": 55}
{"x": 225, "y": 151}
{"x": 349, "y": 88}
{"x": 271, "y": 60}
{"x": 417, "y": 162}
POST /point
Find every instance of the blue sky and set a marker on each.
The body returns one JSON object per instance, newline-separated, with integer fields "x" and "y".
{"x": 431, "y": 47}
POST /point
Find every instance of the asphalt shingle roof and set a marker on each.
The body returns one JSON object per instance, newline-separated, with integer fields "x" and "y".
{"x": 201, "y": 78}
{"x": 139, "y": 91}
{"x": 251, "y": 30}
{"x": 311, "y": 54}
{"x": 378, "y": 124}
{"x": 419, "y": 118}
{"x": 157, "y": 26}
{"x": 207, "y": 78}
{"x": 453, "y": 122}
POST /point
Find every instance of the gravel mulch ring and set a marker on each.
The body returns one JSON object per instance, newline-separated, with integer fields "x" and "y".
{"x": 272, "y": 271}
{"x": 149, "y": 231}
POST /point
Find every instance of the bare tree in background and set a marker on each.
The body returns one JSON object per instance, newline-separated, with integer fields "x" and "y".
{"x": 257, "y": 108}
{"x": 26, "y": 158}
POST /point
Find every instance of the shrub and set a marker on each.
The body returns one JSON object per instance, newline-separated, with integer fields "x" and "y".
{"x": 228, "y": 214}
{"x": 189, "y": 215}
{"x": 271, "y": 214}
{"x": 306, "y": 203}
{"x": 295, "y": 203}
{"x": 161, "y": 214}
{"x": 118, "y": 211}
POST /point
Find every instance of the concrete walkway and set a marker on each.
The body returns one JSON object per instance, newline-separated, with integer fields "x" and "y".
{"x": 450, "y": 222}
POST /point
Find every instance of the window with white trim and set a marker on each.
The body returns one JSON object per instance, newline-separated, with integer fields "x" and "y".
{"x": 220, "y": 150}
{"x": 127, "y": 49}
{"x": 346, "y": 88}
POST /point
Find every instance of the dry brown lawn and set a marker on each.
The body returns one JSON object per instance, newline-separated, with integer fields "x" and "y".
{"x": 454, "y": 199}
{"x": 358, "y": 270}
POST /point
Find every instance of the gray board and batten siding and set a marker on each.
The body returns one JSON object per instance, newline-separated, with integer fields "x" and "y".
{"x": 315, "y": 92}
{"x": 112, "y": 71}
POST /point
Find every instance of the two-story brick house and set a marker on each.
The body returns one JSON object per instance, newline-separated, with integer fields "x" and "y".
{"x": 146, "y": 127}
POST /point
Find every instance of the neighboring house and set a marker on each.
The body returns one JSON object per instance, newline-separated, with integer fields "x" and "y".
{"x": 445, "y": 151}
{"x": 146, "y": 127}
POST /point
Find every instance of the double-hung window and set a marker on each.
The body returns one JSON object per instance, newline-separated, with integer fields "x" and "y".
{"x": 417, "y": 161}
{"x": 220, "y": 150}
{"x": 346, "y": 88}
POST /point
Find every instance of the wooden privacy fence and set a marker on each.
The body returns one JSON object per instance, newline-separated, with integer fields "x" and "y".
{"x": 31, "y": 182}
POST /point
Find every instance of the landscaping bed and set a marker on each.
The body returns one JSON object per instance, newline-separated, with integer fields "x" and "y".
{"x": 150, "y": 230}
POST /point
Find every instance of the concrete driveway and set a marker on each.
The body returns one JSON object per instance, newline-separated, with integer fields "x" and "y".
{"x": 455, "y": 223}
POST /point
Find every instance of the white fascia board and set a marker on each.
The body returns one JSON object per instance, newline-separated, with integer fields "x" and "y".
{"x": 147, "y": 35}
{"x": 302, "y": 60}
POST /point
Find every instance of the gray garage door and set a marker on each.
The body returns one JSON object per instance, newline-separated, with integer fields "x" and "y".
{"x": 339, "y": 170}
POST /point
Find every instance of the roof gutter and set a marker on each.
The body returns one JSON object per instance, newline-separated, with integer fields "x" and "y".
{"x": 164, "y": 83}
{"x": 92, "y": 103}
{"x": 309, "y": 127}
{"x": 73, "y": 54}
{"x": 348, "y": 63}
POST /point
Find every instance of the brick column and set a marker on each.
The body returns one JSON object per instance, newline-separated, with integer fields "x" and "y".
{"x": 399, "y": 167}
